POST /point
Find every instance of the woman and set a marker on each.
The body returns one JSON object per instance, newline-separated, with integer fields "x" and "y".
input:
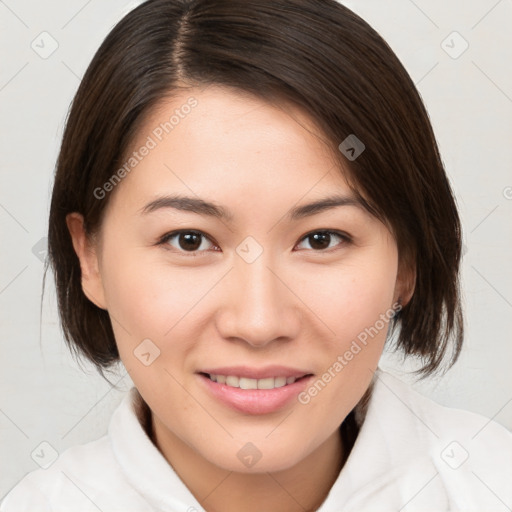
{"x": 249, "y": 203}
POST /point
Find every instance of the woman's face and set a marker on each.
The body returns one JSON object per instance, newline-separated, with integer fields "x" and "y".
{"x": 262, "y": 286}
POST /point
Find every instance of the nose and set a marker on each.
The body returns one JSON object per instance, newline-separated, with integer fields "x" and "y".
{"x": 260, "y": 307}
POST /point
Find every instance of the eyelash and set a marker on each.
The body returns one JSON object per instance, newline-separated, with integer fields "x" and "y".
{"x": 169, "y": 236}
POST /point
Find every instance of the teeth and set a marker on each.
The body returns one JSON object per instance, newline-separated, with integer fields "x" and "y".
{"x": 245, "y": 383}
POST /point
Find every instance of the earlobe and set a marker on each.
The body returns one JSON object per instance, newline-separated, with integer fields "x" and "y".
{"x": 86, "y": 251}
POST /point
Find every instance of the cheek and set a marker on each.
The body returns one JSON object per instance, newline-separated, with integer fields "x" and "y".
{"x": 148, "y": 299}
{"x": 357, "y": 306}
{"x": 350, "y": 297}
{"x": 151, "y": 306}
{"x": 148, "y": 296}
{"x": 152, "y": 299}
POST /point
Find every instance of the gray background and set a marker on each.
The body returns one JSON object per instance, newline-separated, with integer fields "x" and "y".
{"x": 46, "y": 397}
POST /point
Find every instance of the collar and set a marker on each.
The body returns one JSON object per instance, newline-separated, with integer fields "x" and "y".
{"x": 388, "y": 468}
{"x": 146, "y": 469}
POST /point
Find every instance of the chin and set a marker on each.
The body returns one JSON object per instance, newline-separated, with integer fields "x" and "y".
{"x": 249, "y": 459}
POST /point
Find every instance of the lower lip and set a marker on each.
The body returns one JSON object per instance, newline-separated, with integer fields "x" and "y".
{"x": 255, "y": 401}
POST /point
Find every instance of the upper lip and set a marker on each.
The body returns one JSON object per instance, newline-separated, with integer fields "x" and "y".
{"x": 257, "y": 373}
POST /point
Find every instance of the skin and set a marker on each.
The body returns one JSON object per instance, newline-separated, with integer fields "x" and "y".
{"x": 295, "y": 305}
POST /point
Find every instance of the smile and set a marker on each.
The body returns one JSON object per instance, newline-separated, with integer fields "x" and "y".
{"x": 254, "y": 396}
{"x": 246, "y": 383}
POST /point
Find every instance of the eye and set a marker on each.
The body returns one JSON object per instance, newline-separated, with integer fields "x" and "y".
{"x": 187, "y": 241}
{"x": 321, "y": 240}
{"x": 193, "y": 242}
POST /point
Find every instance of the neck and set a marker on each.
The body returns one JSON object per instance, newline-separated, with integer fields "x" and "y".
{"x": 300, "y": 488}
{"x": 295, "y": 489}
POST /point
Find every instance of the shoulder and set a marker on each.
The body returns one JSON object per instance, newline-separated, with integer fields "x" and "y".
{"x": 471, "y": 454}
{"x": 85, "y": 477}
{"x": 474, "y": 429}
{"x": 25, "y": 497}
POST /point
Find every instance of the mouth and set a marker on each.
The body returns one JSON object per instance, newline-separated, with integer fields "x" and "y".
{"x": 254, "y": 396}
{"x": 235, "y": 381}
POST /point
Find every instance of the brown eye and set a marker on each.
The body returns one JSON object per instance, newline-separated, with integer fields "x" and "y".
{"x": 321, "y": 240}
{"x": 187, "y": 241}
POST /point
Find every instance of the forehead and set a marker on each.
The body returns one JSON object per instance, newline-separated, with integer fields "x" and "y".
{"x": 223, "y": 143}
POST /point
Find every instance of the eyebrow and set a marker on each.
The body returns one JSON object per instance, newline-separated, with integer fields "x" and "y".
{"x": 202, "y": 207}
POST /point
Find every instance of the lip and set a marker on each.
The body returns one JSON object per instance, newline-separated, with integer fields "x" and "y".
{"x": 257, "y": 373}
{"x": 254, "y": 401}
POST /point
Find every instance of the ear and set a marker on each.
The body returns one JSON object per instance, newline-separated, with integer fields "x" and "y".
{"x": 405, "y": 282}
{"x": 86, "y": 251}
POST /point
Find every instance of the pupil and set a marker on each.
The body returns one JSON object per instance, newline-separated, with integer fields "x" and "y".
{"x": 190, "y": 241}
{"x": 320, "y": 240}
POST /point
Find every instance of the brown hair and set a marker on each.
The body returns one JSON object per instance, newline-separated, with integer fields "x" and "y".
{"x": 316, "y": 54}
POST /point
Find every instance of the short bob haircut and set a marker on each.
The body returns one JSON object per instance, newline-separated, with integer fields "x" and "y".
{"x": 314, "y": 54}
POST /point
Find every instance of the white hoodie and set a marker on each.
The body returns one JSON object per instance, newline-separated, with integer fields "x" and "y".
{"x": 410, "y": 455}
